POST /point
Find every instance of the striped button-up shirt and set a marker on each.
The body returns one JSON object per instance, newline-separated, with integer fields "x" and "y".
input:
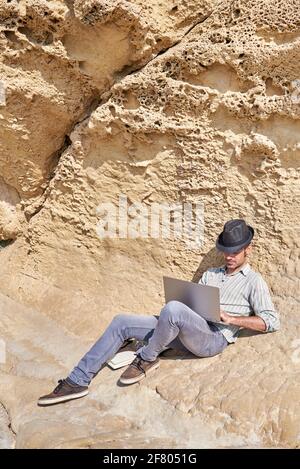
{"x": 243, "y": 293}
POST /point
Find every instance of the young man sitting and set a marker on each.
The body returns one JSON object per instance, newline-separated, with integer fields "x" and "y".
{"x": 243, "y": 292}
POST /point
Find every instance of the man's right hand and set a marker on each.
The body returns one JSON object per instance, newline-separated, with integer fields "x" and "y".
{"x": 225, "y": 317}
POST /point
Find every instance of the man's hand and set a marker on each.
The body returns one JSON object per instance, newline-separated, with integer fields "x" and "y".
{"x": 225, "y": 317}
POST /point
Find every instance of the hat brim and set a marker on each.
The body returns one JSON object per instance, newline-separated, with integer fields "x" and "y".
{"x": 231, "y": 249}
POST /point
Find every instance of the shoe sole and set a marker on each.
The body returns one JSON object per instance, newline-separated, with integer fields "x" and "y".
{"x": 56, "y": 400}
{"x": 138, "y": 378}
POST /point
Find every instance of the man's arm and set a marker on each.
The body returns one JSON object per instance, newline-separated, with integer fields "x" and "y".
{"x": 249, "y": 322}
{"x": 203, "y": 279}
{"x": 266, "y": 318}
{"x": 262, "y": 305}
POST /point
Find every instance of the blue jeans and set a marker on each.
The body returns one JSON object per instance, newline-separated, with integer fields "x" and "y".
{"x": 177, "y": 327}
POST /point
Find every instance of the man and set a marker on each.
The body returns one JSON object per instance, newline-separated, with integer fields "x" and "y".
{"x": 245, "y": 302}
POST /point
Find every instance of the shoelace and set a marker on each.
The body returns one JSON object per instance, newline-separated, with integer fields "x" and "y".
{"x": 59, "y": 386}
{"x": 137, "y": 364}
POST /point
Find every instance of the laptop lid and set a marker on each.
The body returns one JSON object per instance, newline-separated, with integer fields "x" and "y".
{"x": 203, "y": 299}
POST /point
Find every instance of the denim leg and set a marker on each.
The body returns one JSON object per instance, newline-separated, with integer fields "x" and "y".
{"x": 122, "y": 327}
{"x": 193, "y": 331}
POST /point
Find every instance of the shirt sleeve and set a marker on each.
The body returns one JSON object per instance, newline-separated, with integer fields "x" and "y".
{"x": 262, "y": 305}
{"x": 203, "y": 280}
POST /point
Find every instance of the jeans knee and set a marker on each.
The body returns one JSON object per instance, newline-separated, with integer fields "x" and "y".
{"x": 120, "y": 325}
{"x": 119, "y": 319}
{"x": 171, "y": 310}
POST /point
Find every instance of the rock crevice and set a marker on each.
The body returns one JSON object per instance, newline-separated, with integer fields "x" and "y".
{"x": 7, "y": 435}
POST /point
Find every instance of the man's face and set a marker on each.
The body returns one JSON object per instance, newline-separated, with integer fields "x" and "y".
{"x": 236, "y": 259}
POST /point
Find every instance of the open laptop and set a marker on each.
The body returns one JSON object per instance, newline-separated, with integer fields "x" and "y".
{"x": 203, "y": 299}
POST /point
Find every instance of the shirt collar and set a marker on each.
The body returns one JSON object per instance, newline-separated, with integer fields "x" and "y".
{"x": 244, "y": 270}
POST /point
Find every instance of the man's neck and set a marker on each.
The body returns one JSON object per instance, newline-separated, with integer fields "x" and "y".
{"x": 229, "y": 272}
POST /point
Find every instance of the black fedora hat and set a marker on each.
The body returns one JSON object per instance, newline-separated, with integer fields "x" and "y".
{"x": 236, "y": 235}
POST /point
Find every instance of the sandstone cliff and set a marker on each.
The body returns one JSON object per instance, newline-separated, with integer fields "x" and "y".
{"x": 172, "y": 101}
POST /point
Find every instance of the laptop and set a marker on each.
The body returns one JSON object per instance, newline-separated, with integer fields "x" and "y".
{"x": 203, "y": 299}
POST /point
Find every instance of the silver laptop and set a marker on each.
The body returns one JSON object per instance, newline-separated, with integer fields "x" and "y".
{"x": 203, "y": 299}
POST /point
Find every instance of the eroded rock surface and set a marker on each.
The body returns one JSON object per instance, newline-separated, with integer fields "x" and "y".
{"x": 172, "y": 102}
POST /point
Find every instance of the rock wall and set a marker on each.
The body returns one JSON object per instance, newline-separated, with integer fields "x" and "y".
{"x": 178, "y": 101}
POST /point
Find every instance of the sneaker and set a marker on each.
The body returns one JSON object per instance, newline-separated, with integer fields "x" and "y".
{"x": 64, "y": 391}
{"x": 128, "y": 344}
{"x": 138, "y": 370}
{"x": 131, "y": 345}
